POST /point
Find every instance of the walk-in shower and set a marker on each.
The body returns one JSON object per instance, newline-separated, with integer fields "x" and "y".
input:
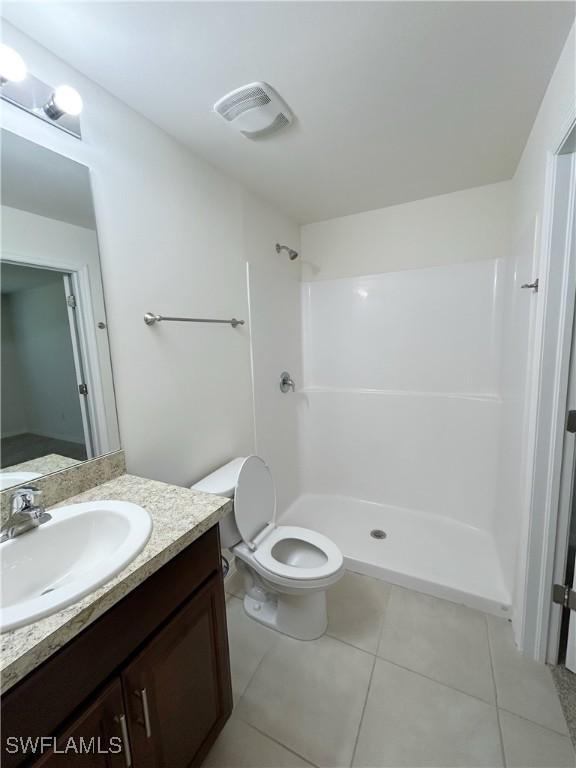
{"x": 399, "y": 421}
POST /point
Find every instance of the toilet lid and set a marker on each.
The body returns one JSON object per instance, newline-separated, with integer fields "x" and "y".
{"x": 255, "y": 498}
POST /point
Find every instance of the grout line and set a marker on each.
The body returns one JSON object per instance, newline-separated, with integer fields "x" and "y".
{"x": 363, "y": 711}
{"x": 344, "y": 642}
{"x": 380, "y": 627}
{"x": 384, "y": 616}
{"x": 280, "y": 743}
{"x": 276, "y": 741}
{"x": 388, "y": 661}
{"x": 231, "y": 594}
{"x": 434, "y": 680}
{"x": 253, "y": 675}
{"x": 357, "y": 647}
{"x": 499, "y": 707}
{"x": 376, "y": 656}
{"x": 502, "y": 750}
{"x": 276, "y": 640}
{"x": 533, "y": 722}
{"x": 326, "y": 634}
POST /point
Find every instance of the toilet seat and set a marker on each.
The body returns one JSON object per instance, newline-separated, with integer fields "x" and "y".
{"x": 254, "y": 500}
{"x": 284, "y": 553}
{"x": 267, "y": 554}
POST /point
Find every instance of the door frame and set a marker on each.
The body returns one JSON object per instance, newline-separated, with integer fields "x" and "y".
{"x": 77, "y": 346}
{"x": 100, "y": 441}
{"x": 566, "y": 521}
{"x": 546, "y": 543}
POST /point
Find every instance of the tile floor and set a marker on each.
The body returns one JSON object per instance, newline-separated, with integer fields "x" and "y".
{"x": 400, "y": 679}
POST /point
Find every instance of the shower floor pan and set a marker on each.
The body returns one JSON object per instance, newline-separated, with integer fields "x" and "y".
{"x": 421, "y": 551}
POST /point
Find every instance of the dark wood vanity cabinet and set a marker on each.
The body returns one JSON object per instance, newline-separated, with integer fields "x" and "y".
{"x": 148, "y": 682}
{"x": 99, "y": 725}
{"x": 172, "y": 687}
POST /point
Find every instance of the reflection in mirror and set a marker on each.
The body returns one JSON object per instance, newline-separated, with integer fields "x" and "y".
{"x": 58, "y": 403}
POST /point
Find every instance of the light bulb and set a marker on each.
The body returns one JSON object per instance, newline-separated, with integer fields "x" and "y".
{"x": 64, "y": 101}
{"x": 12, "y": 66}
{"x": 68, "y": 100}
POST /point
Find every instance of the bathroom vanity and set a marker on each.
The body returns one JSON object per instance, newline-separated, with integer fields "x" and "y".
{"x": 112, "y": 631}
{"x": 141, "y": 665}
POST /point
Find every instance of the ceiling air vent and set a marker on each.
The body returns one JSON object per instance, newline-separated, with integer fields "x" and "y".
{"x": 255, "y": 110}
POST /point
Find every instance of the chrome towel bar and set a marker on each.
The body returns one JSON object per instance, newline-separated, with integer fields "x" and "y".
{"x": 150, "y": 318}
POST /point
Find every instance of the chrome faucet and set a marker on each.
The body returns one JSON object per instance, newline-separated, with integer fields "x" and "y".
{"x": 26, "y": 513}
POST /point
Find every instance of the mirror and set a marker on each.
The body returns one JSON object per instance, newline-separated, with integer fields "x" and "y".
{"x": 58, "y": 404}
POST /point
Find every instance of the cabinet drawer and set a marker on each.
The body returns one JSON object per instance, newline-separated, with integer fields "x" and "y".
{"x": 96, "y": 739}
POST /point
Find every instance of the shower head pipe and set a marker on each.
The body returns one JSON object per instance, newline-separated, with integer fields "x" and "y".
{"x": 292, "y": 254}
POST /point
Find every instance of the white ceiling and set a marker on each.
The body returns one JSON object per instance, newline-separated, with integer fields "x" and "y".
{"x": 395, "y": 101}
{"x": 40, "y": 181}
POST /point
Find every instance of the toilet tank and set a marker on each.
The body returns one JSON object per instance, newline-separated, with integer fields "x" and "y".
{"x": 222, "y": 482}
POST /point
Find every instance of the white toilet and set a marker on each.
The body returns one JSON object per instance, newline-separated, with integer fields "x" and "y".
{"x": 286, "y": 569}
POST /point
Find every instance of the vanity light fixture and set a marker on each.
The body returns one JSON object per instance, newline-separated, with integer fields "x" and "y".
{"x": 64, "y": 101}
{"x": 12, "y": 66}
{"x": 59, "y": 106}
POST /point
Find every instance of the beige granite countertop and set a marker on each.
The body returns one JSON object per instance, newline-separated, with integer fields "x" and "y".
{"x": 179, "y": 516}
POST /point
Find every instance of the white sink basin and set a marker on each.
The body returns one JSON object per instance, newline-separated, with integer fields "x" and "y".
{"x": 8, "y": 479}
{"x": 81, "y": 548}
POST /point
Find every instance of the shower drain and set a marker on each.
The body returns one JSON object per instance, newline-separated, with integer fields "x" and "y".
{"x": 378, "y": 534}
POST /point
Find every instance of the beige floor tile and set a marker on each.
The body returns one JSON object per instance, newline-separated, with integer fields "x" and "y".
{"x": 523, "y": 686}
{"x": 309, "y": 696}
{"x": 413, "y": 721}
{"x": 355, "y": 610}
{"x": 249, "y": 642}
{"x": 241, "y": 746}
{"x": 527, "y": 745}
{"x": 439, "y": 639}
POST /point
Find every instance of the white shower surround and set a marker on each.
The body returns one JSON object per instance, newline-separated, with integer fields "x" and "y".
{"x": 399, "y": 426}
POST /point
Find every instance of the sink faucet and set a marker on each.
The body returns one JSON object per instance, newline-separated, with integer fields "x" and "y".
{"x": 26, "y": 513}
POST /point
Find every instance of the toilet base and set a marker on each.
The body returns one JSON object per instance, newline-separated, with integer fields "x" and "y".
{"x": 301, "y": 616}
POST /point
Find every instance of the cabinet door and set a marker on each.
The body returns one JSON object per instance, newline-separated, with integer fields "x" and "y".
{"x": 177, "y": 691}
{"x": 97, "y": 739}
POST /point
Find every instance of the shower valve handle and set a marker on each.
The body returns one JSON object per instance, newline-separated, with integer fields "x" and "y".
{"x": 286, "y": 382}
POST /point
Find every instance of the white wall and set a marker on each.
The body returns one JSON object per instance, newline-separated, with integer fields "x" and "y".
{"x": 15, "y": 417}
{"x": 173, "y": 237}
{"x": 401, "y": 401}
{"x": 521, "y": 345}
{"x": 44, "y": 349}
{"x": 421, "y": 330}
{"x": 461, "y": 226}
{"x": 28, "y": 238}
{"x": 275, "y": 321}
